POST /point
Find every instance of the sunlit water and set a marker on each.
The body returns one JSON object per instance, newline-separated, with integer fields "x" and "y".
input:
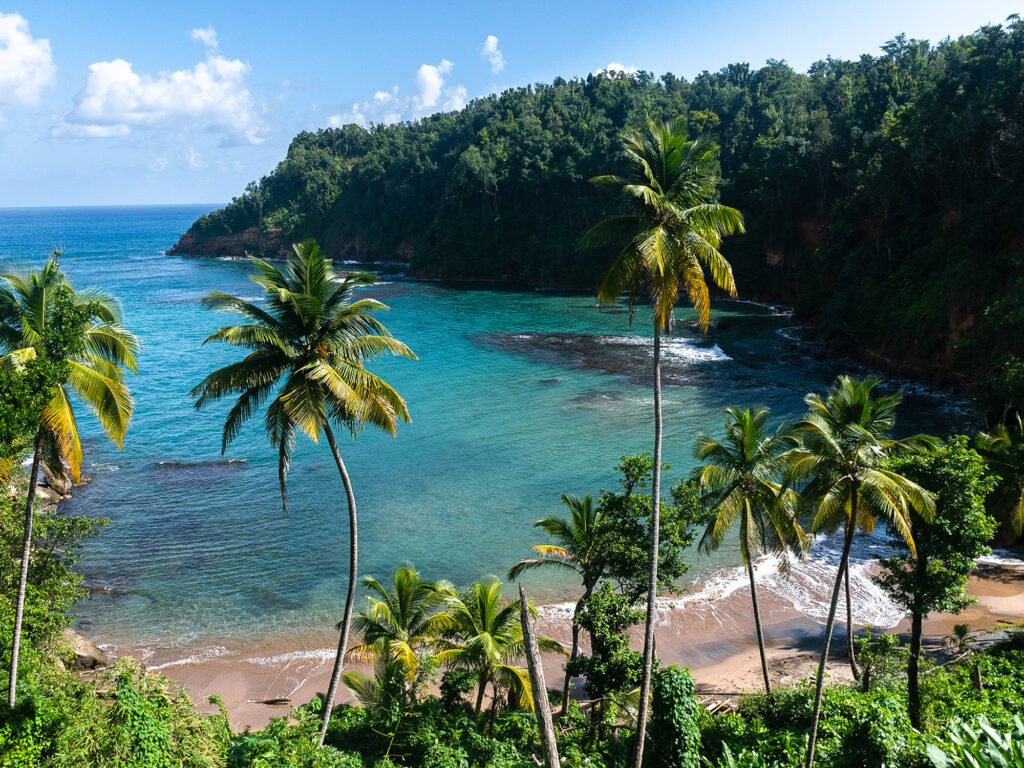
{"x": 516, "y": 398}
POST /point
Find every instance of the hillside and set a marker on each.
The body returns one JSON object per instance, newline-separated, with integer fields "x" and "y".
{"x": 882, "y": 195}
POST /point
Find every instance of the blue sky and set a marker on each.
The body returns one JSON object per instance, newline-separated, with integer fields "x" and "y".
{"x": 175, "y": 102}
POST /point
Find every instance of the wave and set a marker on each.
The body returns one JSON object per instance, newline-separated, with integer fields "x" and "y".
{"x": 1001, "y": 557}
{"x": 672, "y": 349}
{"x": 201, "y": 655}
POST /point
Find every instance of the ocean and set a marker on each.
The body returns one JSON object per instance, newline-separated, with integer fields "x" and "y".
{"x": 516, "y": 398}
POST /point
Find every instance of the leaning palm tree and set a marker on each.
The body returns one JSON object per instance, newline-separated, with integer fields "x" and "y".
{"x": 843, "y": 452}
{"x": 577, "y": 549}
{"x": 399, "y": 622}
{"x": 668, "y": 239}
{"x": 42, "y": 315}
{"x": 308, "y": 349}
{"x": 1003, "y": 449}
{"x": 487, "y": 637}
{"x": 740, "y": 482}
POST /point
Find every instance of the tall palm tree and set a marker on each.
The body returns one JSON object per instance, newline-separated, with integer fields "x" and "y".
{"x": 399, "y": 622}
{"x": 578, "y": 550}
{"x": 843, "y": 452}
{"x": 668, "y": 239}
{"x": 308, "y": 348}
{"x": 94, "y": 351}
{"x": 1003, "y": 449}
{"x": 487, "y": 637}
{"x": 740, "y": 481}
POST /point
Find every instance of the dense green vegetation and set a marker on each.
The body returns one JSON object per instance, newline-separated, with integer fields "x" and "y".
{"x": 880, "y": 195}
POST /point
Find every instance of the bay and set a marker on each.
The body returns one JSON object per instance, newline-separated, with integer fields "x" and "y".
{"x": 516, "y": 398}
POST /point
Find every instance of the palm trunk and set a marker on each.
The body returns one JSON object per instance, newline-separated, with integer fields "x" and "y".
{"x": 494, "y": 708}
{"x": 575, "y": 651}
{"x": 353, "y": 571}
{"x": 851, "y": 528}
{"x": 26, "y": 554}
{"x": 652, "y": 584}
{"x": 757, "y": 625}
{"x": 913, "y": 663}
{"x": 481, "y": 687}
{"x": 849, "y": 625}
{"x": 541, "y": 706}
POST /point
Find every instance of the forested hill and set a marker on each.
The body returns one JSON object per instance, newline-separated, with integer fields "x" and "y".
{"x": 882, "y": 196}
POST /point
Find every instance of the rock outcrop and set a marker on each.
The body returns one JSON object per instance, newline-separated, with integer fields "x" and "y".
{"x": 84, "y": 653}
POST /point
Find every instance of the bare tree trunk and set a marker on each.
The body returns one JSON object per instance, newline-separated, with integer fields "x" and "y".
{"x": 849, "y": 625}
{"x": 757, "y": 625}
{"x": 913, "y": 687}
{"x": 353, "y": 572}
{"x": 652, "y": 584}
{"x": 540, "y": 692}
{"x": 851, "y": 528}
{"x": 26, "y": 554}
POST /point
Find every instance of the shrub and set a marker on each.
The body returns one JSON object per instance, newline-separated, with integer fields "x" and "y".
{"x": 675, "y": 737}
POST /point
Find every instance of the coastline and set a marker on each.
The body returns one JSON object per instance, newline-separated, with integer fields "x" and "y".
{"x": 714, "y": 638}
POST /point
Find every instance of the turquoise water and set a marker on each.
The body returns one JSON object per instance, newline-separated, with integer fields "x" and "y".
{"x": 516, "y": 398}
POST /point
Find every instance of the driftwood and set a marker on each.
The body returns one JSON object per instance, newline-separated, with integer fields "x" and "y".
{"x": 541, "y": 705}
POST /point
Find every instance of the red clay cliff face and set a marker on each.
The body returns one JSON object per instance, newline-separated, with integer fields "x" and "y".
{"x": 245, "y": 243}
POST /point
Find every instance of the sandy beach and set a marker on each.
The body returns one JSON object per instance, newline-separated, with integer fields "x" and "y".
{"x": 713, "y": 636}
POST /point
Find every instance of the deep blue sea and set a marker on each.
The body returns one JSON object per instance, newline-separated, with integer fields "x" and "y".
{"x": 516, "y": 398}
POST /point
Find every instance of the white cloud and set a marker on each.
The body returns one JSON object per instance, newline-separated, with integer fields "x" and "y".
{"x": 26, "y": 64}
{"x": 387, "y": 107}
{"x": 158, "y": 164}
{"x": 194, "y": 159}
{"x": 430, "y": 82}
{"x": 491, "y": 51}
{"x": 208, "y": 36}
{"x": 211, "y": 97}
{"x": 615, "y": 66}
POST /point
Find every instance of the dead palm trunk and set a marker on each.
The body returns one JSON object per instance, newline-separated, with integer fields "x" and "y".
{"x": 353, "y": 570}
{"x": 851, "y": 528}
{"x": 26, "y": 554}
{"x": 540, "y": 693}
{"x": 849, "y": 625}
{"x": 757, "y": 625}
{"x": 652, "y": 584}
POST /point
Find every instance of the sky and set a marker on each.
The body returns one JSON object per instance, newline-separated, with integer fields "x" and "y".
{"x": 119, "y": 103}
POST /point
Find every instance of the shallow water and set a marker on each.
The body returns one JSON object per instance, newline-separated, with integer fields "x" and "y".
{"x": 516, "y": 398}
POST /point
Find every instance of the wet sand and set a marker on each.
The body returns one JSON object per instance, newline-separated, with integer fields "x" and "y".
{"x": 714, "y": 638}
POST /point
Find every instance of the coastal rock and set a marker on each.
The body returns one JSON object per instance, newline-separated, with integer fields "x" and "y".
{"x": 269, "y": 244}
{"x": 85, "y": 654}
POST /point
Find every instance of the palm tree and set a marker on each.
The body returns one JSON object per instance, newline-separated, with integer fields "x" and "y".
{"x": 487, "y": 637}
{"x": 739, "y": 480}
{"x": 671, "y": 235}
{"x": 577, "y": 549}
{"x": 308, "y": 349}
{"x": 843, "y": 452}
{"x": 41, "y": 314}
{"x": 1003, "y": 449}
{"x": 400, "y": 622}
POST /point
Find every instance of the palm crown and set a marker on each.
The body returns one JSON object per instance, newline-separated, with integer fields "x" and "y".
{"x": 96, "y": 368}
{"x": 308, "y": 349}
{"x": 739, "y": 479}
{"x": 844, "y": 448}
{"x": 675, "y": 228}
{"x": 1003, "y": 448}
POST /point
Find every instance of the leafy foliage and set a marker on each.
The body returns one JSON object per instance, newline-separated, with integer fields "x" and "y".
{"x": 674, "y": 732}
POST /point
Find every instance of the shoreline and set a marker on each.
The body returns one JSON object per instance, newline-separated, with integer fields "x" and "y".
{"x": 713, "y": 637}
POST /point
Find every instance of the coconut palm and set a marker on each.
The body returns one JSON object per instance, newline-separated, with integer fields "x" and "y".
{"x": 1003, "y": 449}
{"x": 740, "y": 482}
{"x": 487, "y": 637}
{"x": 667, "y": 240}
{"x": 842, "y": 456}
{"x": 308, "y": 348}
{"x": 399, "y": 622}
{"x": 41, "y": 314}
{"x": 578, "y": 550}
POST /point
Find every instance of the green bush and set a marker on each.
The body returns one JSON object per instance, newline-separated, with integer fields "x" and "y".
{"x": 980, "y": 747}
